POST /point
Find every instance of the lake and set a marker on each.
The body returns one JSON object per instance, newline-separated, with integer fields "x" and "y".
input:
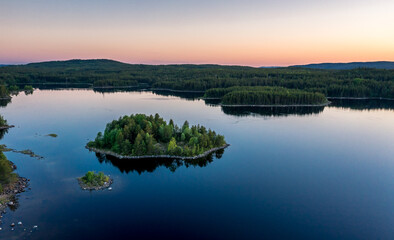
{"x": 301, "y": 173}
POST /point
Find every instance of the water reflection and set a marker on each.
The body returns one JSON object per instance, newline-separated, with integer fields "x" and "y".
{"x": 354, "y": 104}
{"x": 2, "y": 133}
{"x": 117, "y": 89}
{"x": 363, "y": 104}
{"x": 212, "y": 102}
{"x": 150, "y": 165}
{"x": 4, "y": 102}
{"x": 183, "y": 95}
{"x": 271, "y": 111}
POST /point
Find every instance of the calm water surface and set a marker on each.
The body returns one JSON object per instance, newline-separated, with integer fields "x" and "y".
{"x": 315, "y": 174}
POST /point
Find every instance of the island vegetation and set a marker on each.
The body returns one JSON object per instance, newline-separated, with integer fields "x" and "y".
{"x": 4, "y": 123}
{"x": 265, "y": 96}
{"x": 150, "y": 136}
{"x": 94, "y": 181}
{"x": 54, "y": 135}
{"x": 354, "y": 83}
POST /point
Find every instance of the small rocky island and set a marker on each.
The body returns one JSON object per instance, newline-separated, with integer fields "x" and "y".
{"x": 93, "y": 181}
{"x": 141, "y": 136}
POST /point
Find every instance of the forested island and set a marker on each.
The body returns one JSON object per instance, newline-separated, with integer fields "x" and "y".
{"x": 142, "y": 136}
{"x": 94, "y": 181}
{"x": 353, "y": 83}
{"x": 266, "y": 96}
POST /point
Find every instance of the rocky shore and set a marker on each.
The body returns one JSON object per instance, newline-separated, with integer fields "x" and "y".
{"x": 90, "y": 188}
{"x": 113, "y": 154}
{"x": 6, "y": 127}
{"x": 28, "y": 152}
{"x": 8, "y": 196}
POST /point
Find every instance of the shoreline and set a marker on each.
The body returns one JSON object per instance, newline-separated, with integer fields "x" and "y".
{"x": 275, "y": 105}
{"x": 110, "y": 153}
{"x": 113, "y": 87}
{"x": 362, "y": 98}
{"x": 174, "y": 90}
{"x": 349, "y": 98}
{"x": 9, "y": 194}
{"x": 6, "y": 127}
{"x": 91, "y": 188}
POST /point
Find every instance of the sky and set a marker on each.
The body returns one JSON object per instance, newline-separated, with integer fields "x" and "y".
{"x": 231, "y": 32}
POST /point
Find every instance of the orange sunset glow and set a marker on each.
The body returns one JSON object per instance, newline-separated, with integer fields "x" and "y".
{"x": 255, "y": 33}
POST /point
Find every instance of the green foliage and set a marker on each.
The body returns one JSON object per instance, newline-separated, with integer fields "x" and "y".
{"x": 266, "y": 96}
{"x": 6, "y": 171}
{"x": 3, "y": 122}
{"x": 28, "y": 89}
{"x": 140, "y": 135}
{"x": 13, "y": 88}
{"x": 172, "y": 146}
{"x": 92, "y": 179}
{"x": 4, "y": 93}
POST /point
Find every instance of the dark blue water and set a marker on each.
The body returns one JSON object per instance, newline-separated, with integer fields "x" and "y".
{"x": 321, "y": 174}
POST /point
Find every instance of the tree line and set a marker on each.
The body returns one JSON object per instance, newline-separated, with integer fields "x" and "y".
{"x": 361, "y": 82}
{"x": 294, "y": 97}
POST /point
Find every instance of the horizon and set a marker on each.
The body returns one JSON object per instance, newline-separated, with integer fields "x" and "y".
{"x": 233, "y": 32}
{"x": 268, "y": 66}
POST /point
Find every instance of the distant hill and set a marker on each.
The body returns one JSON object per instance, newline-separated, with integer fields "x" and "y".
{"x": 78, "y": 63}
{"x": 347, "y": 66}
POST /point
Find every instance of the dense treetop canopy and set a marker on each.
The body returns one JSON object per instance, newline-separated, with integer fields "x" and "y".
{"x": 265, "y": 96}
{"x": 141, "y": 135}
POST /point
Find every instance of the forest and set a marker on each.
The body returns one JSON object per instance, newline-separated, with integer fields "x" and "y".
{"x": 265, "y": 96}
{"x": 4, "y": 92}
{"x": 359, "y": 82}
{"x": 141, "y": 135}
